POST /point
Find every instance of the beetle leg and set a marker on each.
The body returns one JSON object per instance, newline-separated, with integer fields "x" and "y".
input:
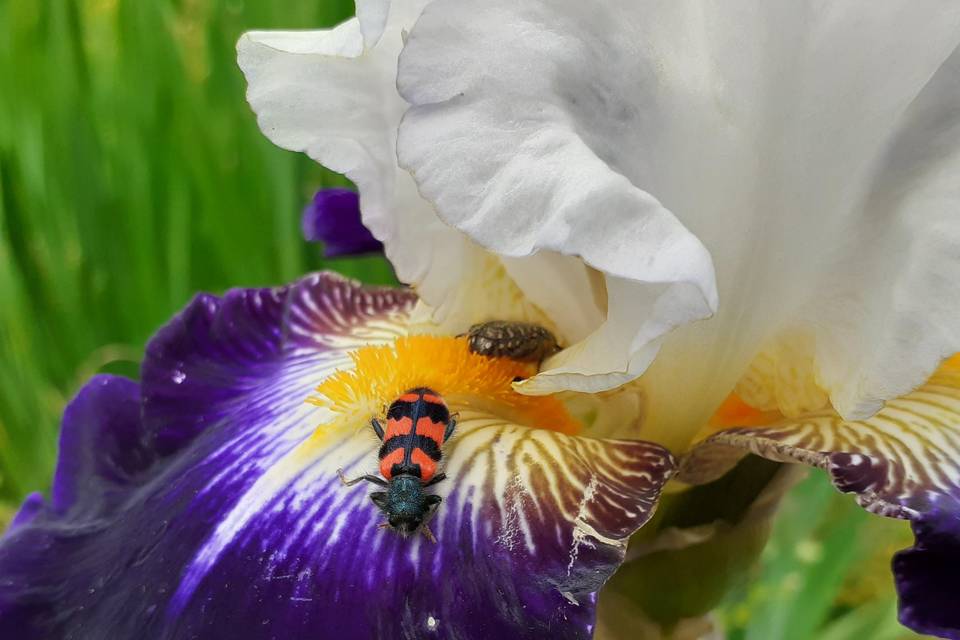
{"x": 437, "y": 478}
{"x": 425, "y": 530}
{"x": 451, "y": 425}
{"x": 368, "y": 478}
{"x": 377, "y": 427}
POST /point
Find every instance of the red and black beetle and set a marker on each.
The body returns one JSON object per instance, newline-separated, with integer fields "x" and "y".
{"x": 418, "y": 425}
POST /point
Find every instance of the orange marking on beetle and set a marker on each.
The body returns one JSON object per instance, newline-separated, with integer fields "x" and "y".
{"x": 398, "y": 427}
{"x": 387, "y": 462}
{"x": 429, "y": 397}
{"x": 408, "y": 397}
{"x": 428, "y": 468}
{"x": 433, "y": 430}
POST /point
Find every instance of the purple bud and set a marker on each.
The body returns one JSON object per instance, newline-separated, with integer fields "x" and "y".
{"x": 334, "y": 219}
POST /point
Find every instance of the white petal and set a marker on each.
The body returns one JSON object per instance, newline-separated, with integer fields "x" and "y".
{"x": 810, "y": 147}
{"x": 567, "y": 291}
{"x": 536, "y": 185}
{"x": 332, "y": 94}
{"x": 373, "y": 16}
{"x": 909, "y": 284}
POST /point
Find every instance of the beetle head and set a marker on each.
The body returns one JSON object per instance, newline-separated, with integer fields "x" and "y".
{"x": 405, "y": 504}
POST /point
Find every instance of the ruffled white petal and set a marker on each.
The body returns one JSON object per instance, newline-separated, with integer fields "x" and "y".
{"x": 908, "y": 307}
{"x": 810, "y": 147}
{"x": 332, "y": 94}
{"x": 571, "y": 295}
{"x": 373, "y": 16}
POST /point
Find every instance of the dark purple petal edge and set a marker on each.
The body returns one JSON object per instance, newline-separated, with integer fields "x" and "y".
{"x": 927, "y": 575}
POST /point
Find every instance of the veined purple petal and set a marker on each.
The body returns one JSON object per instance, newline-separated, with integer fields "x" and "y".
{"x": 333, "y": 218}
{"x": 904, "y": 462}
{"x": 49, "y": 556}
{"x": 102, "y": 447}
{"x": 254, "y": 350}
{"x": 196, "y": 504}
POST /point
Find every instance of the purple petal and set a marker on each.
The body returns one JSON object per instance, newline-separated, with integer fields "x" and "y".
{"x": 197, "y": 505}
{"x": 47, "y": 556}
{"x": 102, "y": 446}
{"x": 904, "y": 462}
{"x": 218, "y": 353}
{"x": 334, "y": 219}
{"x": 28, "y": 510}
{"x": 926, "y": 575}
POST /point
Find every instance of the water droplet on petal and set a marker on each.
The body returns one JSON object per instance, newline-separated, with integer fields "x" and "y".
{"x": 178, "y": 376}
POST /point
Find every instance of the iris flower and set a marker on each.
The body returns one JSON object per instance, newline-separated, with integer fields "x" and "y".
{"x": 738, "y": 218}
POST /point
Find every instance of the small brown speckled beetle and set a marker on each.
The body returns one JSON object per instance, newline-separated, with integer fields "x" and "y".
{"x": 522, "y": 341}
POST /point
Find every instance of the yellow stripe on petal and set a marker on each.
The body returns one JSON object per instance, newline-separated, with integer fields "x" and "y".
{"x": 445, "y": 364}
{"x": 897, "y": 462}
{"x": 783, "y": 378}
{"x": 904, "y": 462}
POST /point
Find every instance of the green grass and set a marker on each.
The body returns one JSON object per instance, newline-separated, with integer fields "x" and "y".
{"x": 824, "y": 575}
{"x": 132, "y": 175}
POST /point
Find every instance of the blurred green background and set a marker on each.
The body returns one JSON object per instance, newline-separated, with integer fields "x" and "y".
{"x": 132, "y": 175}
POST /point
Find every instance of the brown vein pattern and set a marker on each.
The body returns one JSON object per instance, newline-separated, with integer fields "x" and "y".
{"x": 899, "y": 462}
